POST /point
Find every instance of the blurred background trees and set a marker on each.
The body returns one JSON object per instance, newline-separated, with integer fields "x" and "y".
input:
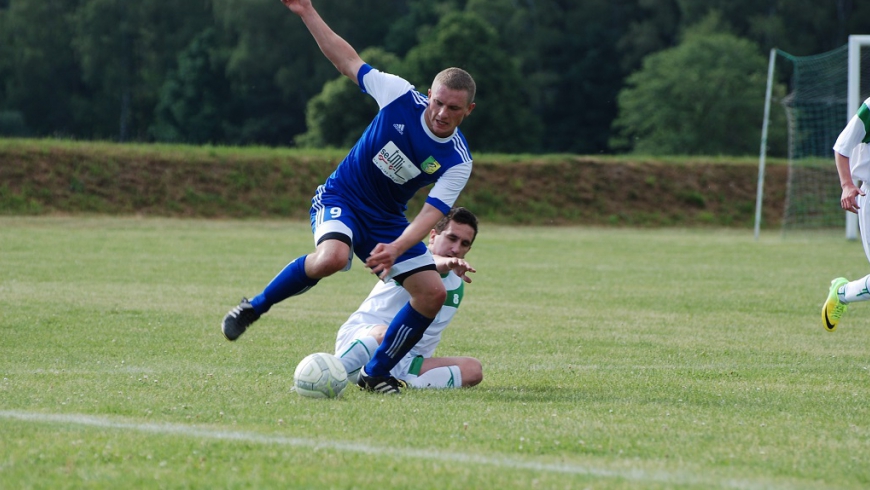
{"x": 598, "y": 76}
{"x": 714, "y": 83}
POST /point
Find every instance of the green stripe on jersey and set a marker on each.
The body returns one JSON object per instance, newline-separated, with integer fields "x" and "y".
{"x": 864, "y": 115}
{"x": 454, "y": 296}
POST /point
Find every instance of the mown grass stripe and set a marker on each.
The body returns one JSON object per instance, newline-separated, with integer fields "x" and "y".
{"x": 391, "y": 452}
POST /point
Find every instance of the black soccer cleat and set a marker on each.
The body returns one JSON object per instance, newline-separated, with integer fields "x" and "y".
{"x": 239, "y": 319}
{"x": 385, "y": 385}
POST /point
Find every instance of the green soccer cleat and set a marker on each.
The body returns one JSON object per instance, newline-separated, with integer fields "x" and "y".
{"x": 834, "y": 309}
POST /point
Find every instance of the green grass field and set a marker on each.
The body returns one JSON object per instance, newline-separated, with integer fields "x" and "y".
{"x": 613, "y": 358}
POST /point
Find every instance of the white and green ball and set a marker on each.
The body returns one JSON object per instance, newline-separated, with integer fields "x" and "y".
{"x": 320, "y": 375}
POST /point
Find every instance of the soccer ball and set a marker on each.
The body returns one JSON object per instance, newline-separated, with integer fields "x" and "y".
{"x": 320, "y": 375}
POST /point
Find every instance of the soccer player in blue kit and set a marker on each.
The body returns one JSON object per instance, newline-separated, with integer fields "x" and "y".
{"x": 414, "y": 141}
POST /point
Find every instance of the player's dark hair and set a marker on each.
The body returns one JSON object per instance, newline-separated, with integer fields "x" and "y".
{"x": 459, "y": 215}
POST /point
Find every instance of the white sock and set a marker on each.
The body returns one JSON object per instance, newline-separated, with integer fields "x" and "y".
{"x": 357, "y": 355}
{"x": 440, "y": 377}
{"x": 855, "y": 291}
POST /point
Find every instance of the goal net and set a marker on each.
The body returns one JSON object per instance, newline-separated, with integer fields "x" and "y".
{"x": 817, "y": 108}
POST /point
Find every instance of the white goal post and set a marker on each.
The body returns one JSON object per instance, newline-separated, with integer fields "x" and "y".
{"x": 763, "y": 153}
{"x": 853, "y": 98}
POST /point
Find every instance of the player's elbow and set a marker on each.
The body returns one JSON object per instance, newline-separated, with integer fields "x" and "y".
{"x": 349, "y": 67}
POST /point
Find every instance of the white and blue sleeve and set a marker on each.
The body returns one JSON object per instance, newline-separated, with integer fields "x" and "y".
{"x": 383, "y": 87}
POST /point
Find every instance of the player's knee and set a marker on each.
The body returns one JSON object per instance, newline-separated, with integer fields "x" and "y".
{"x": 427, "y": 293}
{"x": 378, "y": 332}
{"x": 319, "y": 265}
{"x": 439, "y": 297}
{"x": 430, "y": 304}
{"x": 472, "y": 372}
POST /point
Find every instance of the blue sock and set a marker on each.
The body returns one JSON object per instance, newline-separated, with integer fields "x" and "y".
{"x": 404, "y": 332}
{"x": 291, "y": 281}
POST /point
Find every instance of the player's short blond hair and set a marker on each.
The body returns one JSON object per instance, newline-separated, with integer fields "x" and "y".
{"x": 457, "y": 79}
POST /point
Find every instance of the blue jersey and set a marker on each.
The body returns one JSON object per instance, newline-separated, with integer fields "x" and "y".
{"x": 397, "y": 155}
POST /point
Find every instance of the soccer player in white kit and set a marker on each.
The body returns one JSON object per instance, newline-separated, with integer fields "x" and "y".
{"x": 852, "y": 157}
{"x": 361, "y": 334}
{"x": 413, "y": 142}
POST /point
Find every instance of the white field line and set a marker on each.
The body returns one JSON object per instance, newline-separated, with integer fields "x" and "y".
{"x": 381, "y": 451}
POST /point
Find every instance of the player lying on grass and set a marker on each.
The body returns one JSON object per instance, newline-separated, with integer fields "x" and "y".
{"x": 852, "y": 157}
{"x": 362, "y": 333}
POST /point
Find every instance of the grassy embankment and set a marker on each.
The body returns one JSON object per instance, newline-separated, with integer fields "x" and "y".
{"x": 39, "y": 177}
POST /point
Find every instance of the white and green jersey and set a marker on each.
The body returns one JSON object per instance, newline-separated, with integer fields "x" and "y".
{"x": 853, "y": 140}
{"x": 384, "y": 302}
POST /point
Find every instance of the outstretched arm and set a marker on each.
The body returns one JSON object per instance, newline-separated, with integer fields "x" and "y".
{"x": 459, "y": 266}
{"x": 334, "y": 47}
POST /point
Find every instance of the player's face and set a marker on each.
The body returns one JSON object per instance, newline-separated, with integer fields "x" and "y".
{"x": 454, "y": 241}
{"x": 447, "y": 108}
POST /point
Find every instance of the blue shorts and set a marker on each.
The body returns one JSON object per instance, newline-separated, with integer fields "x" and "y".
{"x": 332, "y": 218}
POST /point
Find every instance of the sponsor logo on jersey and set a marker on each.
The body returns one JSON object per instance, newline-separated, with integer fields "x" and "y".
{"x": 400, "y": 128}
{"x": 430, "y": 165}
{"x": 395, "y": 164}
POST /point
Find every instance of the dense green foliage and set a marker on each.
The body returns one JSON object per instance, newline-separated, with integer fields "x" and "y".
{"x": 713, "y": 109}
{"x": 338, "y": 114}
{"x": 465, "y": 40}
{"x": 550, "y": 73}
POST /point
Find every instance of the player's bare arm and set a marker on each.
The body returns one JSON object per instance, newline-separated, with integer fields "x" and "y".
{"x": 848, "y": 199}
{"x": 333, "y": 46}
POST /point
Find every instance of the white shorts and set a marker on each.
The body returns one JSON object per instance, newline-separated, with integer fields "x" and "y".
{"x": 407, "y": 367}
{"x": 864, "y": 219}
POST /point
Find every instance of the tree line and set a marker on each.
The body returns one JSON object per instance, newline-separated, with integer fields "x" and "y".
{"x": 554, "y": 76}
